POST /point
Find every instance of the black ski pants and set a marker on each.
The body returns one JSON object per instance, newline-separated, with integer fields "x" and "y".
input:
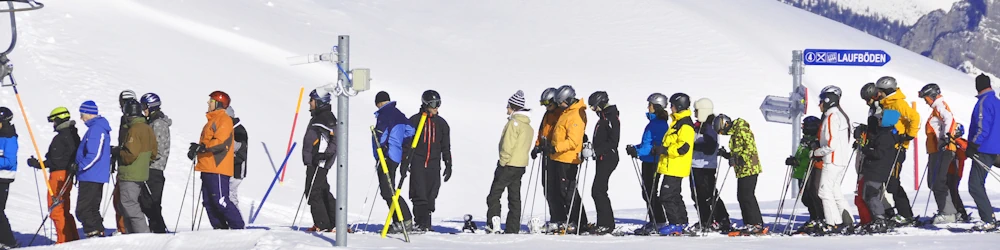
{"x": 387, "y": 184}
{"x": 322, "y": 204}
{"x": 746, "y": 188}
{"x": 704, "y": 193}
{"x": 605, "y": 213}
{"x": 6, "y": 235}
{"x": 898, "y": 193}
{"x": 810, "y": 195}
{"x": 88, "y": 206}
{"x": 672, "y": 200}
{"x": 564, "y": 198}
{"x": 425, "y": 182}
{"x": 151, "y": 199}
{"x": 650, "y": 193}
{"x": 506, "y": 178}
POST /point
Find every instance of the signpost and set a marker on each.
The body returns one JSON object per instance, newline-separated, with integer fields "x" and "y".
{"x": 839, "y": 57}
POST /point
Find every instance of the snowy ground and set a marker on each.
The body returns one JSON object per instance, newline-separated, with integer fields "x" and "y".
{"x": 907, "y": 12}
{"x": 476, "y": 54}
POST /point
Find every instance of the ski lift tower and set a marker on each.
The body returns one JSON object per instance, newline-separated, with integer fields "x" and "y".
{"x": 349, "y": 83}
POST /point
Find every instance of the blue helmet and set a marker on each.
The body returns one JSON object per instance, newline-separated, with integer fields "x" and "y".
{"x": 150, "y": 101}
{"x": 811, "y": 124}
{"x": 960, "y": 131}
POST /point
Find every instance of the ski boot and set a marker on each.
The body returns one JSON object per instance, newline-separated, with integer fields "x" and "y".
{"x": 535, "y": 226}
{"x": 810, "y": 228}
{"x": 722, "y": 226}
{"x": 749, "y": 230}
{"x": 984, "y": 227}
{"x": 878, "y": 226}
{"x": 557, "y": 228}
{"x": 673, "y": 229}
{"x": 95, "y": 234}
{"x": 494, "y": 226}
{"x": 397, "y": 227}
{"x": 601, "y": 230}
{"x": 649, "y": 229}
{"x": 419, "y": 229}
{"x": 900, "y": 221}
{"x": 944, "y": 219}
{"x": 965, "y": 217}
{"x": 315, "y": 228}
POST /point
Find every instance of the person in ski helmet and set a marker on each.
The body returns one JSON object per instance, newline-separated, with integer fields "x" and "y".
{"x": 433, "y": 147}
{"x": 391, "y": 130}
{"x": 93, "y": 158}
{"x": 653, "y": 134}
{"x": 833, "y": 149}
{"x": 137, "y": 153}
{"x": 319, "y": 155}
{"x": 808, "y": 176}
{"x": 214, "y": 156}
{"x": 675, "y": 153}
{"x": 704, "y": 165}
{"x": 878, "y": 152}
{"x": 62, "y": 170}
{"x": 152, "y": 193}
{"x": 124, "y": 98}
{"x": 891, "y": 97}
{"x": 745, "y": 161}
{"x": 8, "y": 170}
{"x": 984, "y": 149}
{"x": 940, "y": 131}
{"x": 607, "y": 133}
{"x": 563, "y": 150}
{"x": 515, "y": 144}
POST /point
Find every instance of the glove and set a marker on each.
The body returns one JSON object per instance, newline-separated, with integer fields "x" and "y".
{"x": 404, "y": 169}
{"x": 814, "y": 145}
{"x": 587, "y": 153}
{"x": 724, "y": 153}
{"x": 73, "y": 168}
{"x": 549, "y": 149}
{"x": 447, "y": 172}
{"x": 116, "y": 152}
{"x": 320, "y": 158}
{"x": 194, "y": 149}
{"x": 972, "y": 149}
{"x": 792, "y": 161}
{"x": 856, "y": 145}
{"x": 535, "y": 151}
{"x": 736, "y": 161}
{"x": 906, "y": 139}
{"x": 860, "y": 131}
{"x": 630, "y": 150}
{"x": 659, "y": 150}
{"x": 33, "y": 162}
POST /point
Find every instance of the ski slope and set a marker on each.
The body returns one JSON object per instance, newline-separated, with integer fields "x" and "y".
{"x": 476, "y": 54}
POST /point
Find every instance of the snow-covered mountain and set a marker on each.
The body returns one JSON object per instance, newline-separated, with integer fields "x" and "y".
{"x": 475, "y": 53}
{"x": 907, "y": 12}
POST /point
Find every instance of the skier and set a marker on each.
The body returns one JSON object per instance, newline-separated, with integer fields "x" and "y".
{"x": 563, "y": 150}
{"x": 801, "y": 162}
{"x": 93, "y": 159}
{"x": 214, "y": 152}
{"x": 515, "y": 144}
{"x": 833, "y": 147}
{"x": 955, "y": 170}
{"x": 746, "y": 162}
{"x": 704, "y": 171}
{"x": 891, "y": 97}
{"x": 941, "y": 149}
{"x": 60, "y": 162}
{"x": 652, "y": 134}
{"x": 319, "y": 154}
{"x": 984, "y": 148}
{"x": 136, "y": 155}
{"x": 391, "y": 128}
{"x": 607, "y": 132}
{"x": 433, "y": 147}
{"x": 151, "y": 197}
{"x": 8, "y": 170}
{"x": 879, "y": 154}
{"x": 239, "y": 157}
{"x": 123, "y": 98}
{"x": 552, "y": 112}
{"x": 675, "y": 153}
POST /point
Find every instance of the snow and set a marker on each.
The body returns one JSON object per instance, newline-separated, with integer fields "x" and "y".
{"x": 476, "y": 54}
{"x": 907, "y": 12}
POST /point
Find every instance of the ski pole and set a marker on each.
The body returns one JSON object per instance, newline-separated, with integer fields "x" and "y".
{"x": 306, "y": 195}
{"x": 914, "y": 202}
{"x": 201, "y": 214}
{"x": 41, "y": 209}
{"x": 196, "y": 211}
{"x": 784, "y": 193}
{"x": 56, "y": 201}
{"x": 715, "y": 199}
{"x": 795, "y": 205}
{"x": 645, "y": 193}
{"x": 694, "y": 192}
{"x": 930, "y": 185}
{"x": 284, "y": 163}
{"x": 984, "y": 166}
{"x": 531, "y": 175}
{"x": 378, "y": 190}
{"x": 183, "y": 198}
{"x": 363, "y": 205}
{"x": 111, "y": 198}
{"x": 579, "y": 216}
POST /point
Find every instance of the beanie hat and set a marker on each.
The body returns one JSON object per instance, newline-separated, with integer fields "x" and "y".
{"x": 88, "y": 107}
{"x": 516, "y": 101}
{"x": 382, "y": 96}
{"x": 230, "y": 112}
{"x": 704, "y": 108}
{"x": 982, "y": 82}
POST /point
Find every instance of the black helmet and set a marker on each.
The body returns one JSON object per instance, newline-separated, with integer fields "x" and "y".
{"x": 810, "y": 125}
{"x": 548, "y": 96}
{"x": 431, "y": 99}
{"x": 830, "y": 96}
{"x": 124, "y": 96}
{"x": 132, "y": 108}
{"x": 930, "y": 90}
{"x": 6, "y": 115}
{"x": 599, "y": 99}
{"x": 322, "y": 97}
{"x": 722, "y": 124}
{"x": 565, "y": 94}
{"x": 680, "y": 101}
{"x": 658, "y": 100}
{"x": 869, "y": 91}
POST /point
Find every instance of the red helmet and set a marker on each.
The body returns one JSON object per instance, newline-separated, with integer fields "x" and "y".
{"x": 221, "y": 98}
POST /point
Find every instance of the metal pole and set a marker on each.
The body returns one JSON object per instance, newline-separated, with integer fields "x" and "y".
{"x": 796, "y": 70}
{"x": 343, "y": 59}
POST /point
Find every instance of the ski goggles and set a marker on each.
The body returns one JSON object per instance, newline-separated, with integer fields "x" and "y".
{"x": 53, "y": 117}
{"x": 545, "y": 102}
{"x": 433, "y": 104}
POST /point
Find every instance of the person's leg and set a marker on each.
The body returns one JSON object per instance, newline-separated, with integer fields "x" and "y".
{"x": 155, "y": 212}
{"x": 827, "y": 193}
{"x": 317, "y": 200}
{"x": 493, "y": 198}
{"x": 673, "y": 202}
{"x": 135, "y": 220}
{"x": 650, "y": 181}
{"x": 557, "y": 202}
{"x": 841, "y": 202}
{"x": 6, "y": 235}
{"x": 956, "y": 197}
{"x": 571, "y": 195}
{"x": 599, "y": 191}
{"x": 812, "y": 191}
{"x": 901, "y": 200}
{"x": 937, "y": 167}
{"x": 746, "y": 188}
{"x": 859, "y": 201}
{"x": 701, "y": 193}
{"x": 433, "y": 189}
{"x": 977, "y": 187}
{"x": 514, "y": 199}
{"x": 872, "y": 191}
{"x": 229, "y": 212}
{"x": 418, "y": 193}
{"x": 88, "y": 207}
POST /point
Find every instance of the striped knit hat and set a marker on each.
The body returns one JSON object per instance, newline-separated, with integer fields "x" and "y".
{"x": 88, "y": 107}
{"x": 516, "y": 101}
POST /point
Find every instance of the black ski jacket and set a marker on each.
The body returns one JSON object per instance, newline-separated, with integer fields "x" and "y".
{"x": 320, "y": 138}
{"x": 62, "y": 150}
{"x": 607, "y": 133}
{"x": 880, "y": 154}
{"x": 240, "y": 156}
{"x": 433, "y": 145}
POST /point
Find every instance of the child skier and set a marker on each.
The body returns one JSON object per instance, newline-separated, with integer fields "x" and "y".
{"x": 880, "y": 154}
{"x": 651, "y": 135}
{"x": 802, "y": 162}
{"x": 60, "y": 162}
{"x": 515, "y": 143}
{"x": 745, "y": 161}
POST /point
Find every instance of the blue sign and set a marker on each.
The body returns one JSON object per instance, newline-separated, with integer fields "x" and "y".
{"x": 839, "y": 57}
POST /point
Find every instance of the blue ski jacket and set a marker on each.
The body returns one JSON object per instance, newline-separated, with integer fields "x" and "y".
{"x": 985, "y": 130}
{"x": 653, "y": 133}
{"x": 392, "y": 128}
{"x": 8, "y": 153}
{"x": 93, "y": 157}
